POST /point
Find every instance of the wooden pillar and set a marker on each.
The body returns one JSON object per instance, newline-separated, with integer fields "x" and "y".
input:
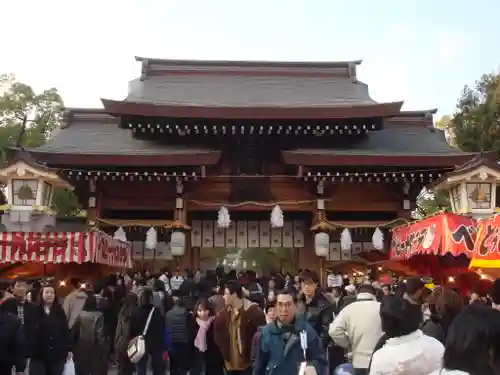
{"x": 93, "y": 209}
{"x": 180, "y": 218}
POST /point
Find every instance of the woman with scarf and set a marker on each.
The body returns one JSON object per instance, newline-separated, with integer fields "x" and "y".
{"x": 208, "y": 358}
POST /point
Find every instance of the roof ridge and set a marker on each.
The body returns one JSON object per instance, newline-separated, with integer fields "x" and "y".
{"x": 248, "y": 63}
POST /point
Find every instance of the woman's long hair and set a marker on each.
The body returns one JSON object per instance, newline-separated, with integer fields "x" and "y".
{"x": 131, "y": 302}
{"x": 56, "y": 306}
{"x": 473, "y": 342}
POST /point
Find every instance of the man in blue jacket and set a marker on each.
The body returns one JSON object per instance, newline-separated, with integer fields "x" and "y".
{"x": 288, "y": 342}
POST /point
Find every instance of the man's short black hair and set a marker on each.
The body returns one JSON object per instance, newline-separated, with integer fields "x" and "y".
{"x": 235, "y": 288}
{"x": 307, "y": 274}
{"x": 19, "y": 280}
{"x": 287, "y": 292}
{"x": 367, "y": 288}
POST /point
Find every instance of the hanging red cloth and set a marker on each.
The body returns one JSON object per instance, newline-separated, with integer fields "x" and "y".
{"x": 439, "y": 234}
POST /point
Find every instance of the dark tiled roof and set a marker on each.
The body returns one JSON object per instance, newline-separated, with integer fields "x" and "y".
{"x": 397, "y": 139}
{"x": 478, "y": 161}
{"x": 221, "y": 90}
{"x": 96, "y": 133}
{"x": 26, "y": 157}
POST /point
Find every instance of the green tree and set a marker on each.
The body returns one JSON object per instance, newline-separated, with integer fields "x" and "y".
{"x": 443, "y": 122}
{"x": 476, "y": 124}
{"x": 27, "y": 120}
{"x": 474, "y": 127}
{"x": 430, "y": 202}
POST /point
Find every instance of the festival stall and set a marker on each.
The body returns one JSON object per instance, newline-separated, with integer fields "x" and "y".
{"x": 437, "y": 246}
{"x": 62, "y": 254}
{"x": 441, "y": 245}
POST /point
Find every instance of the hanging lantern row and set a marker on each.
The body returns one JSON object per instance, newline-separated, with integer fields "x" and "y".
{"x": 322, "y": 241}
{"x": 224, "y": 219}
{"x": 132, "y": 176}
{"x": 177, "y": 240}
{"x": 220, "y": 129}
{"x": 372, "y": 177}
{"x": 235, "y": 263}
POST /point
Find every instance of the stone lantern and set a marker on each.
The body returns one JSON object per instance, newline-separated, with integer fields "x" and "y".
{"x": 472, "y": 187}
{"x": 30, "y": 188}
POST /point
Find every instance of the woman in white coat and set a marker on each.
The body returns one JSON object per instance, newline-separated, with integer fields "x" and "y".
{"x": 407, "y": 351}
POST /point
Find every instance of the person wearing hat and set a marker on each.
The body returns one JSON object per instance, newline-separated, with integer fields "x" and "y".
{"x": 350, "y": 296}
{"x": 417, "y": 291}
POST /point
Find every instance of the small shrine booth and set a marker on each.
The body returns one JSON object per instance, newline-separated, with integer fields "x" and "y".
{"x": 275, "y": 166}
{"x": 30, "y": 244}
{"x": 442, "y": 245}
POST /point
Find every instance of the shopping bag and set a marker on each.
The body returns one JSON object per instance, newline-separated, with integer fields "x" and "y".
{"x": 69, "y": 367}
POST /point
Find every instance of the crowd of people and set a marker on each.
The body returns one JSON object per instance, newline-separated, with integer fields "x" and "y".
{"x": 238, "y": 324}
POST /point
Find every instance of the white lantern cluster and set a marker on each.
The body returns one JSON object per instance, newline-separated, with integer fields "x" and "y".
{"x": 177, "y": 240}
{"x": 276, "y": 219}
{"x": 322, "y": 241}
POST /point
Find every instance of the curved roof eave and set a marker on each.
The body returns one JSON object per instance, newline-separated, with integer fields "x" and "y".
{"x": 117, "y": 108}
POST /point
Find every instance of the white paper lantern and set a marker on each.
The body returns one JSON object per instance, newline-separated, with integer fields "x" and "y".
{"x": 178, "y": 243}
{"x": 322, "y": 244}
{"x": 120, "y": 235}
{"x": 345, "y": 239}
{"x": 151, "y": 239}
{"x": 378, "y": 239}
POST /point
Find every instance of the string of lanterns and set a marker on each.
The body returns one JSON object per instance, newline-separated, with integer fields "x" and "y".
{"x": 135, "y": 173}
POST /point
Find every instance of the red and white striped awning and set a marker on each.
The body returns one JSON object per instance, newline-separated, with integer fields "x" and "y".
{"x": 64, "y": 247}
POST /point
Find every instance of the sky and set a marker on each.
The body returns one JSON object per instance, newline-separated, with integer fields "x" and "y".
{"x": 419, "y": 51}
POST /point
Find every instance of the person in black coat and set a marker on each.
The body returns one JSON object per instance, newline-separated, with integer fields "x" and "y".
{"x": 26, "y": 312}
{"x": 181, "y": 327}
{"x": 155, "y": 335}
{"x": 207, "y": 355}
{"x": 12, "y": 343}
{"x": 52, "y": 338}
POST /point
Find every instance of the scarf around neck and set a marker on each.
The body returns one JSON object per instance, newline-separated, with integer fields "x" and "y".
{"x": 200, "y": 341}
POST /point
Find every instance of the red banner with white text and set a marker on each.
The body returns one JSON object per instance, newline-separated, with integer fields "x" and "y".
{"x": 113, "y": 252}
{"x": 487, "y": 247}
{"x": 438, "y": 235}
{"x": 49, "y": 247}
{"x": 64, "y": 247}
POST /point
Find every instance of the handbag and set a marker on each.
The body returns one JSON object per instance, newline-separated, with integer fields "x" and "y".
{"x": 137, "y": 346}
